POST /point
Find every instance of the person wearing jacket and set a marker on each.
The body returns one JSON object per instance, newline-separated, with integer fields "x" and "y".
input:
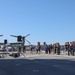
{"x": 46, "y": 49}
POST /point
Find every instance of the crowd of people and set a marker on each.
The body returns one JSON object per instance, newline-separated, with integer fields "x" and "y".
{"x": 55, "y": 48}
{"x": 70, "y": 47}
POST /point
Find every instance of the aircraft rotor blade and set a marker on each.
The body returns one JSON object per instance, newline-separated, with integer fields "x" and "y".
{"x": 13, "y": 35}
{"x": 26, "y": 35}
{"x": 1, "y": 35}
{"x": 27, "y": 41}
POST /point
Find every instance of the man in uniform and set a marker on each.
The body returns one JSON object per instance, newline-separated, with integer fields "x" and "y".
{"x": 58, "y": 48}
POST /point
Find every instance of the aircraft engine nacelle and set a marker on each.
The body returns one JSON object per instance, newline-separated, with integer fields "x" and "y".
{"x": 19, "y": 38}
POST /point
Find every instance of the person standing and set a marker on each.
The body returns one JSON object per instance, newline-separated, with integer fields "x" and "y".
{"x": 46, "y": 49}
{"x": 38, "y": 48}
{"x": 67, "y": 47}
{"x": 54, "y": 48}
{"x": 58, "y": 48}
{"x": 50, "y": 48}
{"x": 74, "y": 47}
{"x": 31, "y": 49}
{"x": 71, "y": 49}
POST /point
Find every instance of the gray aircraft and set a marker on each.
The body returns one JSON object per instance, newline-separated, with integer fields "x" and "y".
{"x": 21, "y": 40}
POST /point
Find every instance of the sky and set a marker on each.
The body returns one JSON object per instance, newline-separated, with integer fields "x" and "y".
{"x": 47, "y": 21}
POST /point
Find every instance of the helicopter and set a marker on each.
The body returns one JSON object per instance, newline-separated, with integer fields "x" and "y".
{"x": 21, "y": 40}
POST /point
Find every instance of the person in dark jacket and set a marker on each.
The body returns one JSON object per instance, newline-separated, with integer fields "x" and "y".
{"x": 38, "y": 49}
{"x": 74, "y": 47}
{"x": 50, "y": 48}
{"x": 71, "y": 48}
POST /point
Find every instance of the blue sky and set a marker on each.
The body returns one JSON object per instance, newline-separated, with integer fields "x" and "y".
{"x": 46, "y": 20}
